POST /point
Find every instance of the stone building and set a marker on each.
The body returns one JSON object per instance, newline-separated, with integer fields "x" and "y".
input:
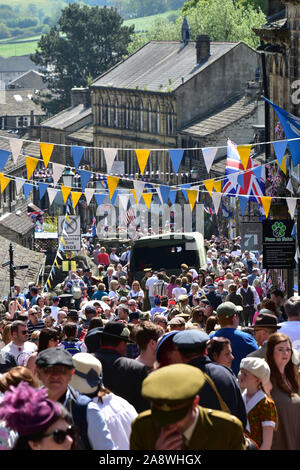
{"x": 153, "y": 98}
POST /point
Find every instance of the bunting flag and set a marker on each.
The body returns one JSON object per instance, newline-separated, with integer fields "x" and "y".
{"x": 138, "y": 189}
{"x": 46, "y": 151}
{"x": 57, "y": 170}
{"x": 62, "y": 240}
{"x": 209, "y": 156}
{"x": 123, "y": 199}
{"x": 65, "y": 192}
{"x": 289, "y": 186}
{"x": 192, "y": 195}
{"x": 183, "y": 188}
{"x": 243, "y": 200}
{"x": 142, "y": 158}
{"x": 49, "y": 283}
{"x": 4, "y": 180}
{"x": 283, "y": 166}
{"x": 110, "y": 155}
{"x": 244, "y": 153}
{"x": 172, "y": 196}
{"x": 291, "y": 127}
{"x": 19, "y": 184}
{"x": 89, "y": 193}
{"x": 75, "y": 195}
{"x": 85, "y": 177}
{"x": 159, "y": 194}
{"x": 164, "y": 192}
{"x": 58, "y": 254}
{"x": 257, "y": 171}
{"x": 15, "y": 146}
{"x": 4, "y": 156}
{"x": 176, "y": 157}
{"x": 52, "y": 192}
{"x": 112, "y": 183}
{"x": 240, "y": 180}
{"x": 56, "y": 263}
{"x": 292, "y": 204}
{"x": 27, "y": 188}
{"x": 114, "y": 197}
{"x": 147, "y": 198}
{"x": 266, "y": 203}
{"x": 209, "y": 184}
{"x": 31, "y": 164}
{"x": 134, "y": 195}
{"x": 77, "y": 153}
{"x": 218, "y": 186}
{"x": 216, "y": 197}
{"x": 280, "y": 149}
{"x": 100, "y": 197}
{"x": 42, "y": 189}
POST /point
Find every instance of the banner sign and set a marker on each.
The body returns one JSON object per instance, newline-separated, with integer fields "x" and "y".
{"x": 278, "y": 244}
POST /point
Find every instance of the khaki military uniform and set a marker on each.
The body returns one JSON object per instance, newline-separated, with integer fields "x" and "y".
{"x": 215, "y": 430}
{"x": 146, "y": 302}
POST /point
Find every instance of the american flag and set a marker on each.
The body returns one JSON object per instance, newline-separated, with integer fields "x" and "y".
{"x": 252, "y": 186}
{"x": 129, "y": 217}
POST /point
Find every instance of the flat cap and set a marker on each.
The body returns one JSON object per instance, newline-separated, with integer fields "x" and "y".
{"x": 171, "y": 390}
{"x": 228, "y": 309}
{"x": 177, "y": 321}
{"x": 190, "y": 340}
{"x": 54, "y": 357}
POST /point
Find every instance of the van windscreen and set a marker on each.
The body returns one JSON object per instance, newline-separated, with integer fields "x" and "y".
{"x": 170, "y": 256}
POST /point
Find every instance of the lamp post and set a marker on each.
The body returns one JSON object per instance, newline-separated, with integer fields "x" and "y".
{"x": 68, "y": 177}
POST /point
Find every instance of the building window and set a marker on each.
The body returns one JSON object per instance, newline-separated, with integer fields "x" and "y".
{"x": 140, "y": 116}
{"x": 101, "y": 111}
{"x": 170, "y": 120}
{"x": 108, "y": 109}
{"x": 116, "y": 114}
{"x": 150, "y": 117}
{"x": 22, "y": 121}
{"x": 158, "y": 119}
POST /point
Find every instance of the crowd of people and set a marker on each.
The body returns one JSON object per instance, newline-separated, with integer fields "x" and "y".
{"x": 111, "y": 364}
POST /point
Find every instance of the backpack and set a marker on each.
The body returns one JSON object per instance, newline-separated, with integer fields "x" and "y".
{"x": 73, "y": 347}
{"x": 79, "y": 404}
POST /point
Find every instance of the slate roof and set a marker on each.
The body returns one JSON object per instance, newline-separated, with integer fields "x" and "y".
{"x": 22, "y": 255}
{"x": 160, "y": 65}
{"x": 67, "y": 117}
{"x": 19, "y": 223}
{"x": 19, "y": 103}
{"x": 20, "y": 64}
{"x": 85, "y": 134}
{"x": 28, "y": 80}
{"x": 225, "y": 115}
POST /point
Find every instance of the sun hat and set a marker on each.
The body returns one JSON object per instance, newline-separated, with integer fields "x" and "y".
{"x": 87, "y": 376}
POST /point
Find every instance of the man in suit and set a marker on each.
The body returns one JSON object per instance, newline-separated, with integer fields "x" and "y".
{"x": 122, "y": 375}
{"x": 108, "y": 277}
{"x": 265, "y": 325}
{"x": 176, "y": 421}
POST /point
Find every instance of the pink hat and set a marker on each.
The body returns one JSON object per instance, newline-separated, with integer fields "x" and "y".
{"x": 27, "y": 410}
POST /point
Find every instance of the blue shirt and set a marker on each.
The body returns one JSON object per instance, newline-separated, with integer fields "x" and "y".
{"x": 242, "y": 344}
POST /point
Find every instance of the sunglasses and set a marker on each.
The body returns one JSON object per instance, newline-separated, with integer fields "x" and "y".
{"x": 59, "y": 435}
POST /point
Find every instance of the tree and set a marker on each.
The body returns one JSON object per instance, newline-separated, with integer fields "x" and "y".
{"x": 86, "y": 42}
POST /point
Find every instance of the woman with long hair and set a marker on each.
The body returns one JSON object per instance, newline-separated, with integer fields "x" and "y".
{"x": 285, "y": 383}
{"x": 48, "y": 338}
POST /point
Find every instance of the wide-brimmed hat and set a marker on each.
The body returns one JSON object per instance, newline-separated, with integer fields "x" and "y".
{"x": 116, "y": 329}
{"x": 266, "y": 320}
{"x": 87, "y": 376}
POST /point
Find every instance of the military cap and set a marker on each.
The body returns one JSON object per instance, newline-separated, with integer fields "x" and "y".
{"x": 171, "y": 391}
{"x": 161, "y": 342}
{"x": 190, "y": 340}
{"x": 228, "y": 309}
{"x": 92, "y": 339}
{"x": 54, "y": 357}
{"x": 147, "y": 270}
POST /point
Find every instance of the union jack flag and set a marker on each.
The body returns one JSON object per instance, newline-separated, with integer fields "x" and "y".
{"x": 252, "y": 185}
{"x": 208, "y": 210}
{"x": 129, "y": 217}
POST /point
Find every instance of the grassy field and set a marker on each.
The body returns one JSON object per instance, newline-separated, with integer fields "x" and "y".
{"x": 10, "y": 47}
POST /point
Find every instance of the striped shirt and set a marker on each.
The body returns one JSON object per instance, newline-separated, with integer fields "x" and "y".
{"x": 40, "y": 325}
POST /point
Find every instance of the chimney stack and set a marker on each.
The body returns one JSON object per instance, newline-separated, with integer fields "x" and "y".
{"x": 80, "y": 96}
{"x": 202, "y": 47}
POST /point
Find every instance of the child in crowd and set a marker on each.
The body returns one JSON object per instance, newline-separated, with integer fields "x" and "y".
{"x": 254, "y": 378}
